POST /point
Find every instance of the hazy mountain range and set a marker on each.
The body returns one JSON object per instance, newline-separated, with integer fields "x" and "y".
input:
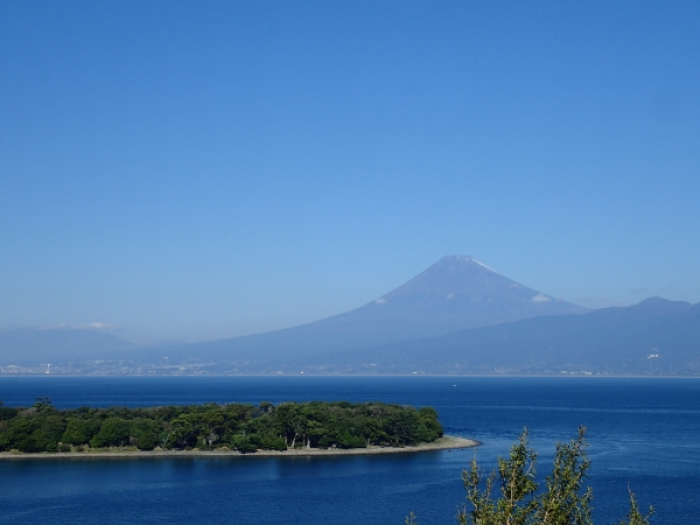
{"x": 458, "y": 316}
{"x": 655, "y": 336}
{"x": 34, "y": 346}
{"x": 455, "y": 293}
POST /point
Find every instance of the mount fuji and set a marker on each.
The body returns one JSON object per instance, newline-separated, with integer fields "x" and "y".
{"x": 455, "y": 293}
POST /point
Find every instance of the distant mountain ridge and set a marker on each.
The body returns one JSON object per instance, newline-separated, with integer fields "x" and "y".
{"x": 458, "y": 316}
{"x": 34, "y": 346}
{"x": 652, "y": 337}
{"x": 456, "y": 293}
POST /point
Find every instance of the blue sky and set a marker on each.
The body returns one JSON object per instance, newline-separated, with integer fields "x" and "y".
{"x": 196, "y": 170}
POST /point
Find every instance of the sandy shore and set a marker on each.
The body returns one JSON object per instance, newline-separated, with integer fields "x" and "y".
{"x": 443, "y": 443}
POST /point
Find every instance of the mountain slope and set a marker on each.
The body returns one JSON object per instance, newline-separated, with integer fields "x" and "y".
{"x": 454, "y": 294}
{"x": 34, "y": 346}
{"x": 654, "y": 336}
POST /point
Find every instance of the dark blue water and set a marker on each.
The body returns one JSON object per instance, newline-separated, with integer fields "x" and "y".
{"x": 644, "y": 433}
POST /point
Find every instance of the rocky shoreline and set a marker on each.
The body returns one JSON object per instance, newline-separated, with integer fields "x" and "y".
{"x": 443, "y": 443}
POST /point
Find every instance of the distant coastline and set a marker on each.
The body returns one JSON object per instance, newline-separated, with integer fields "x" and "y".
{"x": 443, "y": 443}
{"x": 41, "y": 372}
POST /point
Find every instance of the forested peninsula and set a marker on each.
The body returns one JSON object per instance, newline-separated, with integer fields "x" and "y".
{"x": 243, "y": 428}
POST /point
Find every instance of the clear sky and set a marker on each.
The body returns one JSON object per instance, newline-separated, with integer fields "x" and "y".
{"x": 197, "y": 170}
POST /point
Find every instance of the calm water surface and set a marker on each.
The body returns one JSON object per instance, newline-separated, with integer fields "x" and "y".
{"x": 644, "y": 433}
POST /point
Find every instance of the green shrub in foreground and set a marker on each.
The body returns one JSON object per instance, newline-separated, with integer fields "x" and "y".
{"x": 511, "y": 496}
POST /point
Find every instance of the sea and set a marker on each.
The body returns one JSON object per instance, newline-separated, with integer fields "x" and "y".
{"x": 644, "y": 436}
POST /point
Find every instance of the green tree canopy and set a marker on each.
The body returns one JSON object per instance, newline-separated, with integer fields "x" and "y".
{"x": 246, "y": 428}
{"x": 511, "y": 495}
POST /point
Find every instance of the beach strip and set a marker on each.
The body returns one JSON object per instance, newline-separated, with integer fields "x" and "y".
{"x": 443, "y": 443}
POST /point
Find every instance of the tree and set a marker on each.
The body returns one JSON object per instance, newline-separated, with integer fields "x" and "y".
{"x": 114, "y": 432}
{"x": 563, "y": 501}
{"x": 80, "y": 431}
{"x": 242, "y": 444}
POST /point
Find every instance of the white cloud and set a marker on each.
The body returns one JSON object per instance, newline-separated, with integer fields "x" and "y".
{"x": 102, "y": 326}
{"x": 450, "y": 295}
{"x": 97, "y": 325}
{"x": 540, "y": 298}
{"x": 380, "y": 301}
